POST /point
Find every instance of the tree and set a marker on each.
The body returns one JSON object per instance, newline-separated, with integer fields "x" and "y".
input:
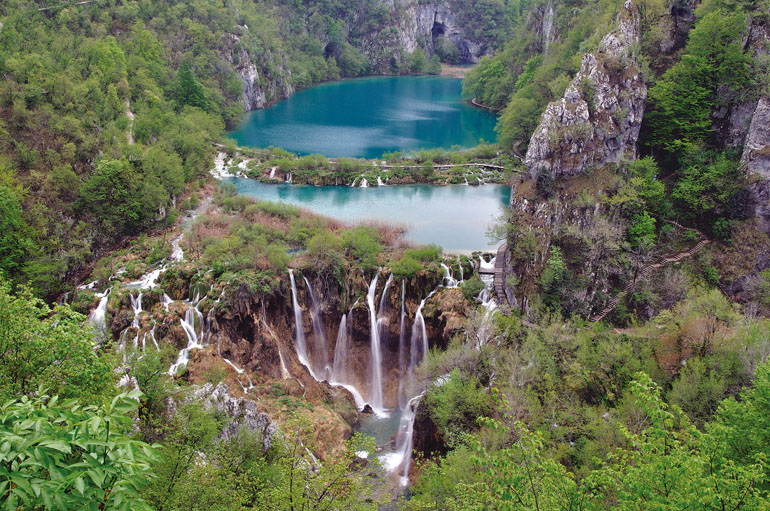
{"x": 15, "y": 243}
{"x": 113, "y": 195}
{"x": 52, "y": 348}
{"x": 189, "y": 91}
{"x": 60, "y": 455}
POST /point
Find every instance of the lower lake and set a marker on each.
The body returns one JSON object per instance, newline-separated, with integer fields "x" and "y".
{"x": 367, "y": 117}
{"x": 455, "y": 217}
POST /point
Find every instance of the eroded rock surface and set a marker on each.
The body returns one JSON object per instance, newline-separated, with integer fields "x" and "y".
{"x": 598, "y": 119}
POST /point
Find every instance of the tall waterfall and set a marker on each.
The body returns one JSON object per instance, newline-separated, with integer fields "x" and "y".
{"x": 419, "y": 334}
{"x": 342, "y": 348}
{"x": 382, "y": 314}
{"x": 400, "y": 460}
{"x": 375, "y": 390}
{"x": 402, "y": 364}
{"x": 320, "y": 344}
{"x": 299, "y": 340}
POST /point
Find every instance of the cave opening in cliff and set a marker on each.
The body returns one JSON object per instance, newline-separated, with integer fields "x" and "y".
{"x": 438, "y": 30}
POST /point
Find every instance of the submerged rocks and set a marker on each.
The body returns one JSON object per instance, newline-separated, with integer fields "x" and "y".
{"x": 598, "y": 119}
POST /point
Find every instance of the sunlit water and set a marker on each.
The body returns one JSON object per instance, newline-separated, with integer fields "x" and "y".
{"x": 370, "y": 116}
{"x": 454, "y": 217}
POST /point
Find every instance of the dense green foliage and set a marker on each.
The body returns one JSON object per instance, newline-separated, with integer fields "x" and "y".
{"x": 53, "y": 349}
{"x": 60, "y": 455}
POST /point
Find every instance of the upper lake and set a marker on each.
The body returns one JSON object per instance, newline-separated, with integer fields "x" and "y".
{"x": 367, "y": 117}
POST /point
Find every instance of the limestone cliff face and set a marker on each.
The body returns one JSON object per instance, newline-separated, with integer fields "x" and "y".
{"x": 425, "y": 22}
{"x": 575, "y": 218}
{"x": 598, "y": 119}
{"x": 756, "y": 157}
{"x": 260, "y": 87}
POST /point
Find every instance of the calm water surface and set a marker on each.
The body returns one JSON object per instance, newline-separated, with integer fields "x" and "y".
{"x": 370, "y": 116}
{"x": 454, "y": 217}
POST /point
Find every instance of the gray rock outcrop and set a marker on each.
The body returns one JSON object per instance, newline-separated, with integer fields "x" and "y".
{"x": 259, "y": 89}
{"x": 598, "y": 119}
{"x": 242, "y": 413}
{"x": 756, "y": 158}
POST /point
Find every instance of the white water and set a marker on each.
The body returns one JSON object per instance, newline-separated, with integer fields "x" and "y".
{"x": 320, "y": 344}
{"x": 97, "y": 316}
{"x": 400, "y": 460}
{"x": 364, "y": 183}
{"x": 177, "y": 254}
{"x": 375, "y": 391}
{"x": 449, "y": 281}
{"x": 299, "y": 337}
{"x": 379, "y": 181}
{"x": 193, "y": 338}
{"x": 419, "y": 333}
{"x": 272, "y": 173}
{"x": 402, "y": 364}
{"x": 486, "y": 266}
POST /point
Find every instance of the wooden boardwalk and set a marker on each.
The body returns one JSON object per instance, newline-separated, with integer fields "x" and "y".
{"x": 500, "y": 274}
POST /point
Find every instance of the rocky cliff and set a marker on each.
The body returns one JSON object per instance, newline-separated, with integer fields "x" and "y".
{"x": 388, "y": 47}
{"x": 756, "y": 158}
{"x": 598, "y": 119}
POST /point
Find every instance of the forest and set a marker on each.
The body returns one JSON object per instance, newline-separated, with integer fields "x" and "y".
{"x": 150, "y": 318}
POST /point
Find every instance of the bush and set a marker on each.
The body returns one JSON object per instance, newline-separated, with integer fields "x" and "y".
{"x": 472, "y": 287}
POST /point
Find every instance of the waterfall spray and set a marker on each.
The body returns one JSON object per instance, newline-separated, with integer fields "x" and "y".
{"x": 320, "y": 344}
{"x": 299, "y": 340}
{"x": 375, "y": 391}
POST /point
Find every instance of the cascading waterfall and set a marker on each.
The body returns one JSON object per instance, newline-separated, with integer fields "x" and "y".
{"x": 375, "y": 390}
{"x": 403, "y": 369}
{"x": 193, "y": 338}
{"x": 177, "y": 254}
{"x": 97, "y": 316}
{"x": 364, "y": 183}
{"x": 382, "y": 313}
{"x": 320, "y": 344}
{"x": 460, "y": 265}
{"x": 449, "y": 281}
{"x": 400, "y": 460}
{"x": 379, "y": 181}
{"x": 419, "y": 333}
{"x": 299, "y": 338}
{"x": 136, "y": 305}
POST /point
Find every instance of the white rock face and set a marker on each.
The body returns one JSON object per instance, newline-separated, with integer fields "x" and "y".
{"x": 257, "y": 93}
{"x": 756, "y": 150}
{"x": 756, "y": 158}
{"x": 242, "y": 412}
{"x": 598, "y": 119}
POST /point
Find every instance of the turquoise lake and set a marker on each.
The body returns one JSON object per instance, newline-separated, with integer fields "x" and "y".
{"x": 454, "y": 217}
{"x": 367, "y": 117}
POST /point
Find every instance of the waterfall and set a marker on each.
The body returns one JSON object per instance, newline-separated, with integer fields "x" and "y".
{"x": 487, "y": 266}
{"x": 136, "y": 305}
{"x": 401, "y": 459}
{"x": 272, "y": 173}
{"x": 402, "y": 367}
{"x": 379, "y": 181}
{"x": 299, "y": 340}
{"x": 485, "y": 330}
{"x": 340, "y": 353}
{"x": 382, "y": 318}
{"x": 97, "y": 317}
{"x": 193, "y": 338}
{"x": 177, "y": 254}
{"x": 166, "y": 300}
{"x": 375, "y": 391}
{"x": 547, "y": 27}
{"x": 364, "y": 183}
{"x": 320, "y": 344}
{"x": 288, "y": 178}
{"x": 449, "y": 281}
{"x": 460, "y": 265}
{"x": 418, "y": 330}
{"x": 353, "y": 184}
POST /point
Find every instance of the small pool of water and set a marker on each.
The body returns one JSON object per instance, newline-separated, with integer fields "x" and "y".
{"x": 367, "y": 117}
{"x": 454, "y": 217}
